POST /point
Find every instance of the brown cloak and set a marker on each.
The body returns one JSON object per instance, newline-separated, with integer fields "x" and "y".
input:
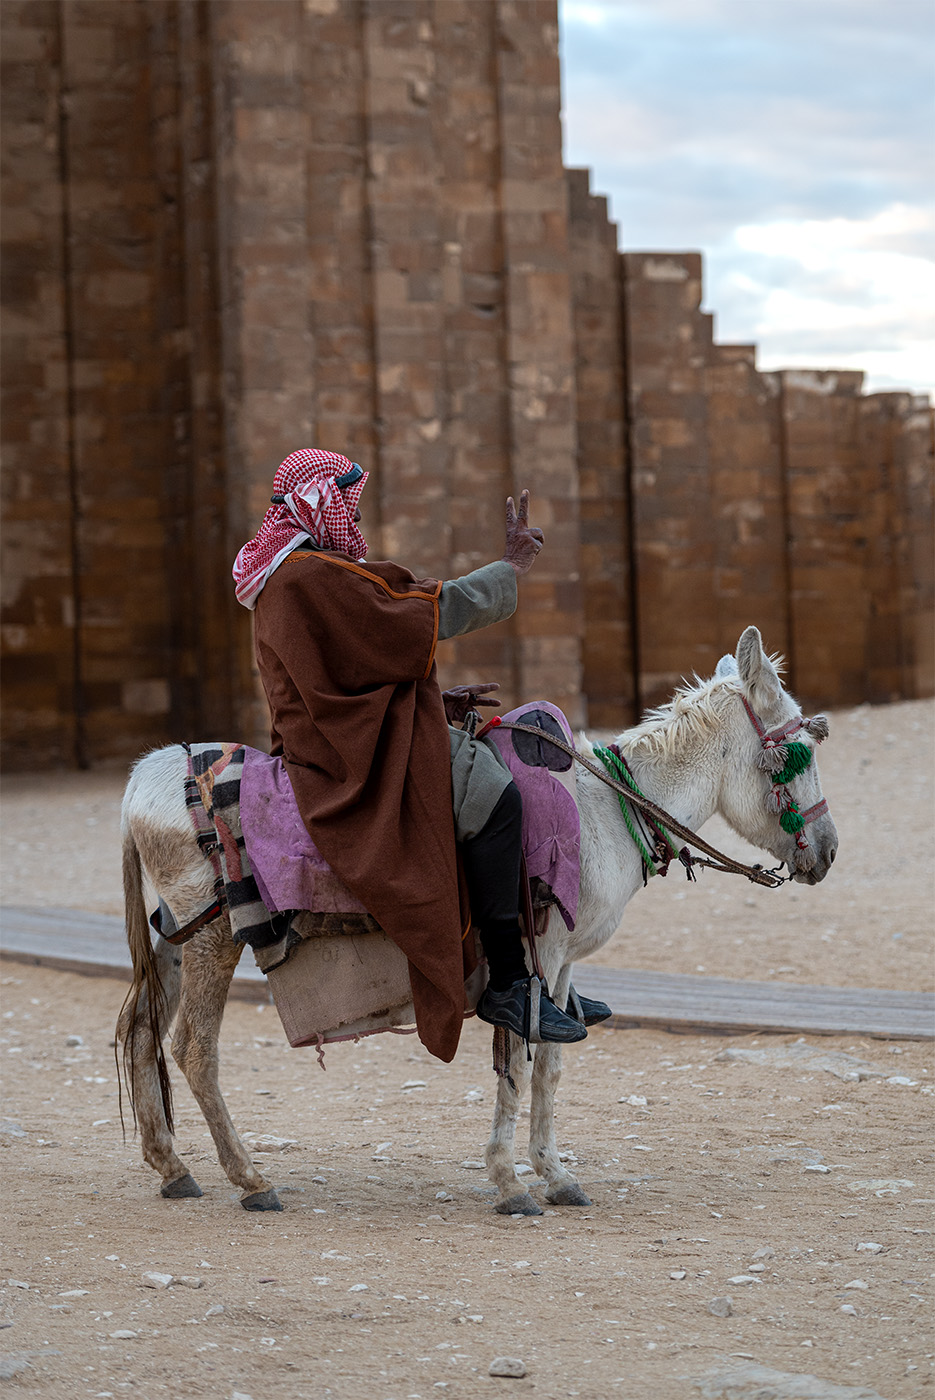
{"x": 346, "y": 654}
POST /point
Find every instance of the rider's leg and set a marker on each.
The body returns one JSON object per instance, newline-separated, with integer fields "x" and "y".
{"x": 492, "y": 867}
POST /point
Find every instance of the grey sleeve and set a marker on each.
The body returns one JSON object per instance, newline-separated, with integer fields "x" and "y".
{"x": 479, "y": 599}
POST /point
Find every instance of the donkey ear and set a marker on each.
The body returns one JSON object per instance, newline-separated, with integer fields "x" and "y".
{"x": 756, "y": 671}
{"x": 727, "y": 666}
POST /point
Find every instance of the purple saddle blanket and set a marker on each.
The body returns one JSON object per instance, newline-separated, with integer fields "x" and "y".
{"x": 292, "y": 874}
{"x": 289, "y": 869}
{"x": 545, "y": 776}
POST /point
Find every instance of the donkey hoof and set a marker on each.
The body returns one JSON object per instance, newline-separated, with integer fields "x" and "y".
{"x": 570, "y": 1194}
{"x": 522, "y": 1204}
{"x": 262, "y": 1200}
{"x": 182, "y": 1186}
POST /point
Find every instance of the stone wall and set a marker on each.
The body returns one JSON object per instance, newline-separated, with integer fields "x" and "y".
{"x": 668, "y": 344}
{"x": 39, "y": 684}
{"x": 860, "y": 495}
{"x": 609, "y": 672}
{"x": 781, "y": 499}
{"x": 234, "y": 227}
{"x": 96, "y": 323}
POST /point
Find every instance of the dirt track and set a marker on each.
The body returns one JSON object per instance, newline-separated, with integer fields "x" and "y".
{"x": 388, "y": 1276}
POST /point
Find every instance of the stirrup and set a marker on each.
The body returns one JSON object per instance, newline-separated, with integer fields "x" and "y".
{"x": 526, "y": 1009}
{"x": 583, "y": 1009}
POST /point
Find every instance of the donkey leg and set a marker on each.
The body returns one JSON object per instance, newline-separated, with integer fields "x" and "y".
{"x": 563, "y": 1189}
{"x": 514, "y": 1198}
{"x": 155, "y": 1137}
{"x": 209, "y": 962}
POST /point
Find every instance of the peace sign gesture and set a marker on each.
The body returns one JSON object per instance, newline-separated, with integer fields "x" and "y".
{"x": 522, "y": 542}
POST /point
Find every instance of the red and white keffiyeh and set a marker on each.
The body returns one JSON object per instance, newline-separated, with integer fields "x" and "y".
{"x": 313, "y": 506}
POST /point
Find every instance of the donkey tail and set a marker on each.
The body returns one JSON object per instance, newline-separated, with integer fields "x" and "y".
{"x": 143, "y": 1019}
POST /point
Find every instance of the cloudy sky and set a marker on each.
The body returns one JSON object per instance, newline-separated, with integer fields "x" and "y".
{"x": 792, "y": 141}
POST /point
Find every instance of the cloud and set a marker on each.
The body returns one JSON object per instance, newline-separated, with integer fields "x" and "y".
{"x": 897, "y": 230}
{"x": 842, "y": 293}
{"x": 790, "y": 140}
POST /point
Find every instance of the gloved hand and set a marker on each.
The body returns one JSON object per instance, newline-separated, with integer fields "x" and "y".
{"x": 522, "y": 541}
{"x": 463, "y": 698}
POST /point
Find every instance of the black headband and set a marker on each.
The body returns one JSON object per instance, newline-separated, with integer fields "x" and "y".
{"x": 350, "y": 478}
{"x": 342, "y": 482}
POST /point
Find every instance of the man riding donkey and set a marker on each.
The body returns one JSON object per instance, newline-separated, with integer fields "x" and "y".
{"x": 388, "y": 789}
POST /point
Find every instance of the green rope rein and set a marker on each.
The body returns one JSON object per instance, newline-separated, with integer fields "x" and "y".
{"x": 618, "y": 770}
{"x": 798, "y": 758}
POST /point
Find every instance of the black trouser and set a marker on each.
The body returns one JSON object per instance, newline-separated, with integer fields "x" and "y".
{"x": 492, "y": 868}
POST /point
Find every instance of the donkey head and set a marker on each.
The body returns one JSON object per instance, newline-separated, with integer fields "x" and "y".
{"x": 771, "y": 791}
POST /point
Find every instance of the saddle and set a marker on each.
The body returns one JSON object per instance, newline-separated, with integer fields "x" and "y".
{"x": 333, "y": 972}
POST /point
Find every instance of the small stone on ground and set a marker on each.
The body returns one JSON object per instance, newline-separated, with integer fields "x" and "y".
{"x": 746, "y": 1380}
{"x": 510, "y": 1367}
{"x": 721, "y": 1307}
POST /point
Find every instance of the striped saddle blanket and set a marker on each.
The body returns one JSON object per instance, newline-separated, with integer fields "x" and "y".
{"x": 267, "y": 867}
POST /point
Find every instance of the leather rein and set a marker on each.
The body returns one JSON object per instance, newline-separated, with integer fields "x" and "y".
{"x": 717, "y": 860}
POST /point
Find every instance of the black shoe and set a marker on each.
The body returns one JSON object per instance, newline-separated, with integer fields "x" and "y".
{"x": 588, "y": 1012}
{"x": 529, "y": 1012}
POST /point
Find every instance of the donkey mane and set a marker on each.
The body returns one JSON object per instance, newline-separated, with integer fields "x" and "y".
{"x": 694, "y": 711}
{"x": 689, "y": 717}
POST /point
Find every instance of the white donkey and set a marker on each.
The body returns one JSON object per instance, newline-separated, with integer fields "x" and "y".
{"x": 710, "y": 750}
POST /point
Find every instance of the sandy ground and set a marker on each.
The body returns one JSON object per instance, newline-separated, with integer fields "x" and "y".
{"x": 388, "y": 1276}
